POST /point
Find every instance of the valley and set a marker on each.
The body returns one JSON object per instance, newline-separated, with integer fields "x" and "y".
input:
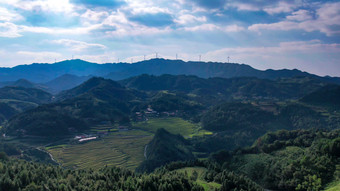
{"x": 215, "y": 133}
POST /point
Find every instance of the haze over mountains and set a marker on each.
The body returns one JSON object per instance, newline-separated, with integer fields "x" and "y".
{"x": 44, "y": 73}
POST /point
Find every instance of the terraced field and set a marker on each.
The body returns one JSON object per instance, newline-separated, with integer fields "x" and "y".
{"x": 122, "y": 149}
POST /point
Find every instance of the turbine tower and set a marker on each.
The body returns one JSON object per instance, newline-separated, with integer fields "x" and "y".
{"x": 228, "y": 59}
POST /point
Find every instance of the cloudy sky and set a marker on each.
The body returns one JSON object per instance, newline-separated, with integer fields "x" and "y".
{"x": 303, "y": 34}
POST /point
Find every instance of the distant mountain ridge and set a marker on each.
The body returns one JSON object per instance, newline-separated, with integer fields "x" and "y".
{"x": 23, "y": 83}
{"x": 42, "y": 73}
{"x": 65, "y": 82}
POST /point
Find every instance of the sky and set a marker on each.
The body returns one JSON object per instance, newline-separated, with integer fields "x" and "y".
{"x": 265, "y": 34}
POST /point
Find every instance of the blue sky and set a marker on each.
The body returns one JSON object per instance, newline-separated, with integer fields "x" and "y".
{"x": 302, "y": 34}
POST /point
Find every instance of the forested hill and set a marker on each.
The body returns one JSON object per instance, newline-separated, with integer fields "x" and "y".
{"x": 65, "y": 82}
{"x": 95, "y": 85}
{"x": 242, "y": 87}
{"x": 43, "y": 73}
{"x": 94, "y": 101}
{"x": 326, "y": 96}
{"x": 25, "y": 94}
{"x": 14, "y": 100}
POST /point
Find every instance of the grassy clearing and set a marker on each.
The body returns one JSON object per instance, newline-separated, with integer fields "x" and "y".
{"x": 172, "y": 124}
{"x": 200, "y": 171}
{"x": 334, "y": 186}
{"x": 122, "y": 149}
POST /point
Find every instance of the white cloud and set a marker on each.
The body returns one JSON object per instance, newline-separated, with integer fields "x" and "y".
{"x": 327, "y": 21}
{"x": 313, "y": 46}
{"x": 78, "y": 45}
{"x": 213, "y": 27}
{"x": 116, "y": 18}
{"x": 281, "y": 7}
{"x": 38, "y": 57}
{"x": 234, "y": 28}
{"x": 284, "y": 25}
{"x": 44, "y": 5}
{"x": 243, "y": 6}
{"x": 300, "y": 15}
{"x": 46, "y": 30}
{"x": 187, "y": 18}
{"x": 94, "y": 16}
{"x": 150, "y": 10}
{"x": 118, "y": 25}
{"x": 6, "y": 15}
{"x": 9, "y": 30}
{"x": 203, "y": 27}
{"x": 145, "y": 7}
{"x": 137, "y": 30}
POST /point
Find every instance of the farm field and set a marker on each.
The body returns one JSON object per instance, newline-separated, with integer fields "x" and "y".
{"x": 121, "y": 149}
{"x": 172, "y": 124}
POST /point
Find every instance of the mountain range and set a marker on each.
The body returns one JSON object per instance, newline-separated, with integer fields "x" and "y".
{"x": 217, "y": 125}
{"x": 44, "y": 73}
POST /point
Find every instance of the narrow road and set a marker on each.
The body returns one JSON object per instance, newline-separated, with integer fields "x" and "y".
{"x": 146, "y": 147}
{"x": 49, "y": 155}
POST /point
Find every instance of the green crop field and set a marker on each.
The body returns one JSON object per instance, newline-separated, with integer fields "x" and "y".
{"x": 119, "y": 148}
{"x": 200, "y": 171}
{"x": 122, "y": 149}
{"x": 173, "y": 125}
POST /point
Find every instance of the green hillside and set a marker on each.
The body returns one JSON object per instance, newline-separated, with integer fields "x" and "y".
{"x": 95, "y": 101}
{"x": 25, "y": 94}
{"x": 212, "y": 90}
{"x": 165, "y": 148}
{"x": 15, "y": 100}
{"x": 326, "y": 96}
{"x": 289, "y": 160}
